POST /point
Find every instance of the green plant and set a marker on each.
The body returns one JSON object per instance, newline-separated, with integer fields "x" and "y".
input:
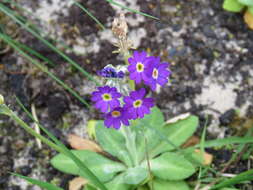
{"x": 148, "y": 135}
{"x": 142, "y": 157}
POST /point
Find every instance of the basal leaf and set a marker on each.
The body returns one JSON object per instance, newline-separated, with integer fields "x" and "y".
{"x": 113, "y": 142}
{"x": 104, "y": 168}
{"x": 177, "y": 134}
{"x": 146, "y": 130}
{"x": 171, "y": 166}
{"x": 42, "y": 184}
{"x": 144, "y": 187}
{"x": 232, "y": 5}
{"x": 135, "y": 175}
{"x": 89, "y": 187}
{"x": 118, "y": 184}
{"x": 160, "y": 184}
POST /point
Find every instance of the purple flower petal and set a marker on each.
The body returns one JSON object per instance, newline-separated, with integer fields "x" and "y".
{"x": 117, "y": 117}
{"x": 106, "y": 98}
{"x": 137, "y": 67}
{"x": 157, "y": 72}
{"x": 137, "y": 104}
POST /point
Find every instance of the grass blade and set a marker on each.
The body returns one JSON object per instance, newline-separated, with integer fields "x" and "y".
{"x": 89, "y": 13}
{"x": 35, "y": 53}
{"x": 41, "y": 184}
{"x": 84, "y": 170}
{"x": 226, "y": 141}
{"x": 59, "y": 143}
{"x": 42, "y": 68}
{"x": 10, "y": 13}
{"x": 34, "y": 26}
{"x": 6, "y": 111}
{"x": 244, "y": 176}
{"x": 131, "y": 10}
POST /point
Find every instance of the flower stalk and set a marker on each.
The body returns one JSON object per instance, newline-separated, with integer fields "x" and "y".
{"x": 131, "y": 144}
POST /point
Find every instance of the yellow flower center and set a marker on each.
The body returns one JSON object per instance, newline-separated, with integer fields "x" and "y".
{"x": 137, "y": 103}
{"x": 107, "y": 97}
{"x": 116, "y": 114}
{"x": 139, "y": 67}
{"x": 155, "y": 74}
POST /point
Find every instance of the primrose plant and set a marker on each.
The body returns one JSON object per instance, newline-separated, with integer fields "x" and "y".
{"x": 140, "y": 150}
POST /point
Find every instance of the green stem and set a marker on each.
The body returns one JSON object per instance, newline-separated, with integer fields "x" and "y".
{"x": 127, "y": 55}
{"x": 131, "y": 144}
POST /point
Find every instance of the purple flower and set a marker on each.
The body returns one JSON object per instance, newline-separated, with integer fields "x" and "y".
{"x": 106, "y": 98}
{"x": 120, "y": 74}
{"x": 110, "y": 72}
{"x": 137, "y": 105}
{"x": 137, "y": 67}
{"x": 158, "y": 72}
{"x": 117, "y": 117}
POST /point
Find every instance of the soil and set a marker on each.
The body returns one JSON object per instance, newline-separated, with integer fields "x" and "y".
{"x": 210, "y": 52}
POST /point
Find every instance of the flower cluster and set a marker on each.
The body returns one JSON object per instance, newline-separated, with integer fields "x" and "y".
{"x": 148, "y": 69}
{"x": 120, "y": 109}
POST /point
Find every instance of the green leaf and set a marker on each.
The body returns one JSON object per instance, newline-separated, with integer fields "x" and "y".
{"x": 154, "y": 119}
{"x": 246, "y": 2}
{"x": 41, "y": 184}
{"x": 104, "y": 168}
{"x": 146, "y": 131}
{"x": 89, "y": 187}
{"x": 177, "y": 134}
{"x": 159, "y": 184}
{"x": 113, "y": 142}
{"x": 232, "y": 5}
{"x": 195, "y": 158}
{"x": 228, "y": 189}
{"x": 171, "y": 166}
{"x": 144, "y": 187}
{"x": 118, "y": 184}
{"x": 135, "y": 175}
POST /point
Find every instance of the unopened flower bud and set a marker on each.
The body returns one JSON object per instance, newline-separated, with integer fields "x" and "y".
{"x": 1, "y": 99}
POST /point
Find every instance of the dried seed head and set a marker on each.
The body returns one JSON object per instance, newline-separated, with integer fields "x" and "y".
{"x": 119, "y": 27}
{"x": 1, "y": 99}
